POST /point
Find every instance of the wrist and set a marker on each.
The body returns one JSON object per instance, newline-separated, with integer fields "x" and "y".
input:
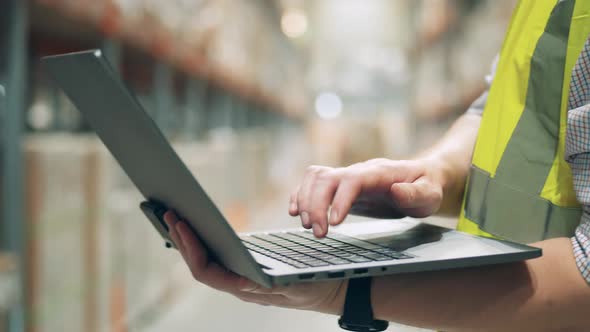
{"x": 438, "y": 170}
{"x": 449, "y": 178}
{"x": 335, "y": 304}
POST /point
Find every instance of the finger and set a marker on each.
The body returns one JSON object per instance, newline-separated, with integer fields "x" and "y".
{"x": 209, "y": 273}
{"x": 172, "y": 220}
{"x": 320, "y": 200}
{"x": 305, "y": 193}
{"x": 252, "y": 287}
{"x": 249, "y": 286}
{"x": 420, "y": 193}
{"x": 264, "y": 299}
{"x": 345, "y": 195}
{"x": 289, "y": 290}
{"x": 218, "y": 277}
{"x": 170, "y": 217}
{"x": 253, "y": 301}
{"x": 293, "y": 209}
{"x": 194, "y": 251}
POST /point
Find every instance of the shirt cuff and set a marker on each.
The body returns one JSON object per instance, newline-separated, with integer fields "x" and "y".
{"x": 581, "y": 246}
{"x": 479, "y": 104}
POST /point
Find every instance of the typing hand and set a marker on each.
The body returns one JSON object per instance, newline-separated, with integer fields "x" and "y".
{"x": 379, "y": 188}
{"x": 327, "y": 297}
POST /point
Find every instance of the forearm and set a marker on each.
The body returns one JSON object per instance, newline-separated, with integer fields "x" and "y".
{"x": 542, "y": 294}
{"x": 451, "y": 157}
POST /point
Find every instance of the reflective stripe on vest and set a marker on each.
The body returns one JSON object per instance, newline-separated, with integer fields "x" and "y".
{"x": 520, "y": 187}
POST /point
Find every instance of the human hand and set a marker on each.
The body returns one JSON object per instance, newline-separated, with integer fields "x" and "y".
{"x": 379, "y": 188}
{"x": 327, "y": 296}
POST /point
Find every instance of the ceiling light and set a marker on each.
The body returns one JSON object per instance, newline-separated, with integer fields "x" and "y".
{"x": 294, "y": 23}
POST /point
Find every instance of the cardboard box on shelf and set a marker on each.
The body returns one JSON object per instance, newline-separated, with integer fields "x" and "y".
{"x": 64, "y": 182}
{"x": 232, "y": 168}
{"x": 96, "y": 263}
{"x": 92, "y": 253}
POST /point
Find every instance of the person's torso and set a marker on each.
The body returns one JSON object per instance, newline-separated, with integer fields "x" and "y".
{"x": 520, "y": 186}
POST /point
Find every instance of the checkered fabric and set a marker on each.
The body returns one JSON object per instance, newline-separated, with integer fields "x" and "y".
{"x": 577, "y": 149}
{"x": 578, "y": 154}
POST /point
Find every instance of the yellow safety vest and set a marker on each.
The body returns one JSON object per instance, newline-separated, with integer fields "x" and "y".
{"x": 520, "y": 187}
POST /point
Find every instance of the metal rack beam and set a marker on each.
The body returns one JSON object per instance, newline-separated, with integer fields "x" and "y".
{"x": 14, "y": 25}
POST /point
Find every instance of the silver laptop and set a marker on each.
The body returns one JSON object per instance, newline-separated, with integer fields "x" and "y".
{"x": 371, "y": 248}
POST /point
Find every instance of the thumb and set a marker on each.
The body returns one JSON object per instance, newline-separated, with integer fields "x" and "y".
{"x": 420, "y": 193}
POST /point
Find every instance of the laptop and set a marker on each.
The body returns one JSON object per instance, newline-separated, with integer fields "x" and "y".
{"x": 369, "y": 248}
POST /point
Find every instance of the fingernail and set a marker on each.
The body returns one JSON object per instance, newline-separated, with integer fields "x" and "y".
{"x": 333, "y": 217}
{"x": 169, "y": 219}
{"x": 248, "y": 289}
{"x": 305, "y": 219}
{"x": 317, "y": 230}
{"x": 248, "y": 286}
{"x": 293, "y": 207}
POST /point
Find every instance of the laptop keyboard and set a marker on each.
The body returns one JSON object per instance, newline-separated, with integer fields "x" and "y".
{"x": 303, "y": 249}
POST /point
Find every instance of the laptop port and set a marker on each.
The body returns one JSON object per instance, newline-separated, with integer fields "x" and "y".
{"x": 306, "y": 276}
{"x": 360, "y": 271}
{"x": 336, "y": 274}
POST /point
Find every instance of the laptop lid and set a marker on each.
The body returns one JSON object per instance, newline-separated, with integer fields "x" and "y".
{"x": 146, "y": 156}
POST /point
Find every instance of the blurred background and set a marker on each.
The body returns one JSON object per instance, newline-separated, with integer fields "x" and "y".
{"x": 250, "y": 93}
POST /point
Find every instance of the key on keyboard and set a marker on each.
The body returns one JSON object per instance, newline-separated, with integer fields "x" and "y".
{"x": 303, "y": 249}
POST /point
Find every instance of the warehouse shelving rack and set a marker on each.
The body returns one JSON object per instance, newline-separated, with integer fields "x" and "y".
{"x": 13, "y": 73}
{"x": 205, "y": 99}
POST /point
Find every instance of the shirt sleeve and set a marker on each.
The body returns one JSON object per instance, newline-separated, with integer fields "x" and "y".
{"x": 480, "y": 103}
{"x": 578, "y": 155}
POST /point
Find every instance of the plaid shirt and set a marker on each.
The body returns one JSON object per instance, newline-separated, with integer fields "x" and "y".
{"x": 578, "y": 154}
{"x": 577, "y": 149}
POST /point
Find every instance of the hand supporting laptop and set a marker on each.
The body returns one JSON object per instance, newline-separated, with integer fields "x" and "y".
{"x": 325, "y": 296}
